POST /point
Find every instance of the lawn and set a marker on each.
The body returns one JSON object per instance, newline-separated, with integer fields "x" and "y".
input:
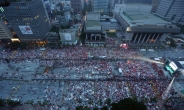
{"x": 111, "y": 34}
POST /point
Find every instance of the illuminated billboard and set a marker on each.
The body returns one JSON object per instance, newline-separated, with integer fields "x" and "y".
{"x": 173, "y": 66}
{"x": 25, "y": 29}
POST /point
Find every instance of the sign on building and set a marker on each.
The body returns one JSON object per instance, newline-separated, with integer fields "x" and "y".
{"x": 25, "y": 29}
{"x": 68, "y": 37}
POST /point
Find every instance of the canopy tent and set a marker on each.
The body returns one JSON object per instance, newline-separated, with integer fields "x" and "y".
{"x": 42, "y": 49}
{"x": 157, "y": 59}
{"x": 142, "y": 50}
{"x": 120, "y": 70}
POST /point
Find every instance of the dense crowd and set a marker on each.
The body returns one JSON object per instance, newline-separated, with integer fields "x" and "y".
{"x": 77, "y": 60}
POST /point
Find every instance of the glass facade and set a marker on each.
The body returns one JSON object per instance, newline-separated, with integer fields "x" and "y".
{"x": 101, "y": 5}
{"x": 30, "y": 14}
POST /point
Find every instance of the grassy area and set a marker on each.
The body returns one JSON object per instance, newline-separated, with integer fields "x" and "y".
{"x": 111, "y": 34}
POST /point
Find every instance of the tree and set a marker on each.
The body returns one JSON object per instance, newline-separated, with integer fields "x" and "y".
{"x": 12, "y": 102}
{"x": 2, "y": 102}
{"x": 104, "y": 108}
{"x": 128, "y": 104}
{"x": 83, "y": 36}
{"x": 54, "y": 29}
{"x": 108, "y": 101}
{"x": 172, "y": 42}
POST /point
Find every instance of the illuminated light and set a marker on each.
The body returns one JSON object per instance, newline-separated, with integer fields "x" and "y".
{"x": 164, "y": 95}
{"x": 173, "y": 66}
{"x": 148, "y": 60}
{"x": 15, "y": 40}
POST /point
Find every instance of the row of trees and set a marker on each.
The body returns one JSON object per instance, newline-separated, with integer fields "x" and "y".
{"x": 125, "y": 104}
{"x": 8, "y": 102}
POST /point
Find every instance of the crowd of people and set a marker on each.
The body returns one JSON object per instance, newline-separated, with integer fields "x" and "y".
{"x": 81, "y": 62}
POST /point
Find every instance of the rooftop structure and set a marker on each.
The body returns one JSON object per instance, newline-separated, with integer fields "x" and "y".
{"x": 140, "y": 26}
{"x": 68, "y": 36}
{"x": 93, "y": 29}
{"x": 93, "y": 16}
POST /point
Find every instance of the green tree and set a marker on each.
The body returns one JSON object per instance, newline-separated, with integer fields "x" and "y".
{"x": 108, "y": 101}
{"x": 79, "y": 108}
{"x": 128, "y": 104}
{"x": 54, "y": 29}
{"x": 2, "y": 102}
{"x": 15, "y": 45}
{"x": 172, "y": 42}
{"x": 83, "y": 36}
{"x": 95, "y": 108}
{"x": 104, "y": 108}
{"x": 12, "y": 102}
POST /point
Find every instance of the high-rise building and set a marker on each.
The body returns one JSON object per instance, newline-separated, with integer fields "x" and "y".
{"x": 4, "y": 31}
{"x": 28, "y": 19}
{"x": 77, "y": 5}
{"x": 101, "y": 5}
{"x": 171, "y": 9}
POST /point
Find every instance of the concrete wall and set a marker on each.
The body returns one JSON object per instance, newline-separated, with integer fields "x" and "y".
{"x": 128, "y": 36}
{"x": 163, "y": 37}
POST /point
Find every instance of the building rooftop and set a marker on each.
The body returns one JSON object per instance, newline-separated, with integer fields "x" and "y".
{"x": 93, "y": 16}
{"x": 143, "y": 18}
{"x": 92, "y": 23}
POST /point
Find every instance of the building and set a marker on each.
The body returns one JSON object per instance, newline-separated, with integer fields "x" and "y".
{"x": 4, "y": 31}
{"x": 77, "y": 5}
{"x": 28, "y": 19}
{"x": 93, "y": 29}
{"x": 52, "y": 37}
{"x": 155, "y": 4}
{"x": 140, "y": 26}
{"x": 109, "y": 24}
{"x": 67, "y": 16}
{"x": 68, "y": 36}
{"x": 113, "y": 2}
{"x": 101, "y": 5}
{"x": 172, "y": 10}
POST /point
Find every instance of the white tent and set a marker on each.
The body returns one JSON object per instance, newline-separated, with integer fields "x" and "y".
{"x": 120, "y": 70}
{"x": 157, "y": 59}
{"x": 142, "y": 50}
{"x": 151, "y": 50}
{"x": 42, "y": 49}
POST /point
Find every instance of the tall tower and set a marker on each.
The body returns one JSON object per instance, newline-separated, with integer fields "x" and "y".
{"x": 171, "y": 9}
{"x": 28, "y": 19}
{"x": 77, "y": 5}
{"x": 101, "y": 5}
